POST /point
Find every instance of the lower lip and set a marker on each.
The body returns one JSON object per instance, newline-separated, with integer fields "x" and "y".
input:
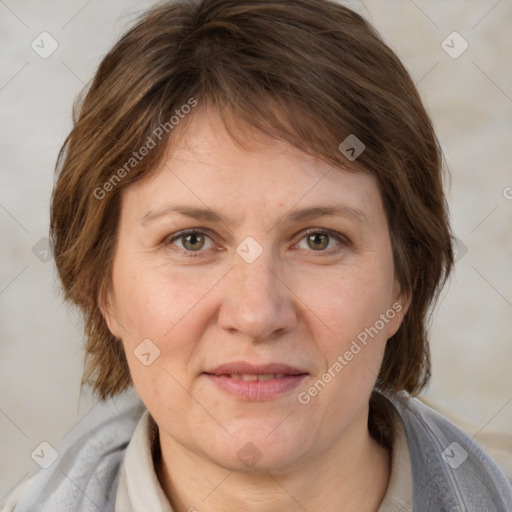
{"x": 256, "y": 389}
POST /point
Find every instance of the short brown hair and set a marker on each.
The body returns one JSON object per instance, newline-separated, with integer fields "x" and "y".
{"x": 318, "y": 63}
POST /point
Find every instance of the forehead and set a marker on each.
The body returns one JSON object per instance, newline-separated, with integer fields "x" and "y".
{"x": 205, "y": 167}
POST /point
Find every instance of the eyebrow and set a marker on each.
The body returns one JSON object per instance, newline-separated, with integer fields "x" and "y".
{"x": 206, "y": 214}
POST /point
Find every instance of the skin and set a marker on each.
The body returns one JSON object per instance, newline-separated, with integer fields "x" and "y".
{"x": 300, "y": 303}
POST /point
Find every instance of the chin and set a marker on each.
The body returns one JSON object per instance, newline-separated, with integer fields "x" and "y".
{"x": 260, "y": 449}
{"x": 252, "y": 460}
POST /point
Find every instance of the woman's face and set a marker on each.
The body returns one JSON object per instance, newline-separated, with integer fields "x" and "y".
{"x": 254, "y": 293}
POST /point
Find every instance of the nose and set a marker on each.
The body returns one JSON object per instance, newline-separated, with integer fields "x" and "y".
{"x": 257, "y": 302}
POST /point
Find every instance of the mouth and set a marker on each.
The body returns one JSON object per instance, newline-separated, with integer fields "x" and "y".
{"x": 248, "y": 377}
{"x": 246, "y": 381}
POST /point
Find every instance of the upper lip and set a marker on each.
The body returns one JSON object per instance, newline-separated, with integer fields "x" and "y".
{"x": 241, "y": 367}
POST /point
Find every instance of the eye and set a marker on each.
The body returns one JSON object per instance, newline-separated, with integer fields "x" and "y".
{"x": 191, "y": 241}
{"x": 321, "y": 239}
{"x": 197, "y": 241}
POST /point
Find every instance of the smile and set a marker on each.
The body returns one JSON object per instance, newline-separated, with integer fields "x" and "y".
{"x": 255, "y": 387}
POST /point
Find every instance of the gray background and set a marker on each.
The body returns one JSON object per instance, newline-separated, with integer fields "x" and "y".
{"x": 469, "y": 99}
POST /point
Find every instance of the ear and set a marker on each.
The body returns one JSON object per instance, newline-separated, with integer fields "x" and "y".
{"x": 106, "y": 304}
{"x": 398, "y": 309}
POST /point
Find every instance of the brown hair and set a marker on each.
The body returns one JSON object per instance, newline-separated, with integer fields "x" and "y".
{"x": 310, "y": 72}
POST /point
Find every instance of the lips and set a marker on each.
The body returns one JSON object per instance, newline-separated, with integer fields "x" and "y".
{"x": 255, "y": 382}
{"x": 243, "y": 368}
{"x": 248, "y": 377}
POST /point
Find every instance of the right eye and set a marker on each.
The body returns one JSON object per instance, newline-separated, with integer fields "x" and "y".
{"x": 190, "y": 241}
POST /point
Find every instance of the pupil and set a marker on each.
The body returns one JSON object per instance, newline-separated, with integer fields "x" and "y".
{"x": 319, "y": 238}
{"x": 191, "y": 241}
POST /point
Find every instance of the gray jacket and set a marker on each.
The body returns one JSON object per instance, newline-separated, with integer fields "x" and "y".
{"x": 450, "y": 472}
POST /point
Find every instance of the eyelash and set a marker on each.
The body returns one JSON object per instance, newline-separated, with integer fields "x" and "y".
{"x": 194, "y": 254}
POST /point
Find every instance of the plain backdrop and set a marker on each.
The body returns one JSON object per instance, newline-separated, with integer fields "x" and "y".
{"x": 468, "y": 92}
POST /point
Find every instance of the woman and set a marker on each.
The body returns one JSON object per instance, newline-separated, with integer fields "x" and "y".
{"x": 249, "y": 212}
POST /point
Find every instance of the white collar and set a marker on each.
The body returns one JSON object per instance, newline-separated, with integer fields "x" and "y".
{"x": 139, "y": 489}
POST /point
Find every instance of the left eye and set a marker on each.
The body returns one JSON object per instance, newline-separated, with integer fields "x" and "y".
{"x": 319, "y": 240}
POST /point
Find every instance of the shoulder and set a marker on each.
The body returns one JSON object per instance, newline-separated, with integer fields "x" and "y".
{"x": 9, "y": 503}
{"x": 497, "y": 443}
{"x": 88, "y": 470}
{"x": 450, "y": 470}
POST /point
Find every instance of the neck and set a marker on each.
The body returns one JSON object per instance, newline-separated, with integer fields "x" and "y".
{"x": 353, "y": 474}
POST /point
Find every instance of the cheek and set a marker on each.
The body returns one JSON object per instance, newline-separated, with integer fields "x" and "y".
{"x": 345, "y": 314}
{"x": 351, "y": 336}
{"x": 346, "y": 304}
{"x": 170, "y": 308}
{"x": 154, "y": 300}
